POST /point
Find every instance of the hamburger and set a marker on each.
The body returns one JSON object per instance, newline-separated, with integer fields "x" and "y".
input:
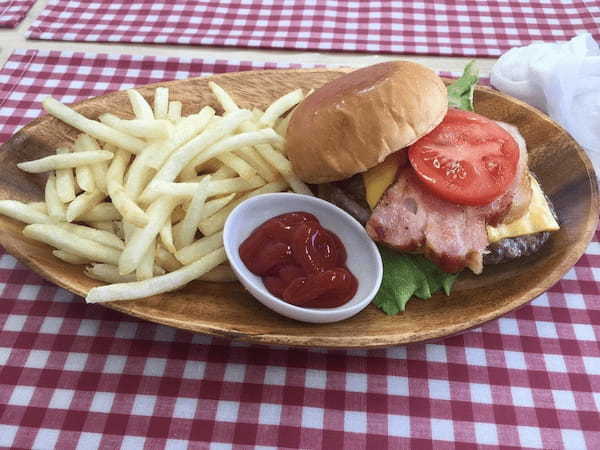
{"x": 424, "y": 178}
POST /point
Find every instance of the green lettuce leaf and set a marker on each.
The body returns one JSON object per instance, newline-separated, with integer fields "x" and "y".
{"x": 405, "y": 275}
{"x": 460, "y": 92}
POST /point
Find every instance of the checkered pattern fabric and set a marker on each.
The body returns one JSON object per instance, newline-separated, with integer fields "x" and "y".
{"x": 77, "y": 375}
{"x": 445, "y": 27}
{"x": 12, "y": 12}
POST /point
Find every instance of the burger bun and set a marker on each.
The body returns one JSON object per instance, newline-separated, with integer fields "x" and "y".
{"x": 355, "y": 121}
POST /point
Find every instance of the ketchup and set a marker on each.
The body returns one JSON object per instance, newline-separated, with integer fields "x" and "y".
{"x": 299, "y": 261}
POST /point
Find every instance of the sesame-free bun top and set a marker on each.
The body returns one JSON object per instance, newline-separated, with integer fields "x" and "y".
{"x": 355, "y": 121}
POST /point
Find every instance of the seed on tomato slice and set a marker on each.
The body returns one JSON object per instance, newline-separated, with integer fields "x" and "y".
{"x": 467, "y": 159}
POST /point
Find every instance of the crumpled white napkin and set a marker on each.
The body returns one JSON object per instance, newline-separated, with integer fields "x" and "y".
{"x": 563, "y": 80}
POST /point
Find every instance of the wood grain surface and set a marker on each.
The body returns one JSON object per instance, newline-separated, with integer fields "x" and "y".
{"x": 228, "y": 310}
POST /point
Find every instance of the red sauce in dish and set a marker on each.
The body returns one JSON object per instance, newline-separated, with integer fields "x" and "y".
{"x": 299, "y": 261}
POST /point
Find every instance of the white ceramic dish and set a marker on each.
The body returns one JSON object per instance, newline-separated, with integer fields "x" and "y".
{"x": 363, "y": 259}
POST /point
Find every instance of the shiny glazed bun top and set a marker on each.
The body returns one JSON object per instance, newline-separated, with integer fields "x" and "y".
{"x": 355, "y": 121}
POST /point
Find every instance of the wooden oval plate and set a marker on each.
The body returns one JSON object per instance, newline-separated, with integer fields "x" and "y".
{"x": 227, "y": 310}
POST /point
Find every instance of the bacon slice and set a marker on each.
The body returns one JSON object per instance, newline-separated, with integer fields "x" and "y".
{"x": 520, "y": 190}
{"x": 410, "y": 218}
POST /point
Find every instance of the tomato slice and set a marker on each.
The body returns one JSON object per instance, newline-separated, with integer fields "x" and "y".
{"x": 467, "y": 159}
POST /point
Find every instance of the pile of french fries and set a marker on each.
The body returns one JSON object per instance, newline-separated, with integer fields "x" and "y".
{"x": 142, "y": 202}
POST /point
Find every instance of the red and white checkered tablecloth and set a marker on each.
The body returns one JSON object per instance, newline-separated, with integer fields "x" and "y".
{"x": 443, "y": 27}
{"x": 77, "y": 375}
{"x": 12, "y": 12}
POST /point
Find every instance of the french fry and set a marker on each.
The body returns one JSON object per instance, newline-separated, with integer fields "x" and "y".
{"x": 145, "y": 269}
{"x": 174, "y": 112}
{"x": 161, "y": 102}
{"x": 210, "y": 166}
{"x": 216, "y": 222}
{"x": 147, "y": 129}
{"x": 62, "y": 239}
{"x": 182, "y": 157}
{"x": 158, "y": 213}
{"x": 264, "y": 136}
{"x": 140, "y": 106}
{"x": 160, "y": 188}
{"x": 223, "y": 173}
{"x": 166, "y": 237}
{"x": 194, "y": 214}
{"x": 215, "y": 205}
{"x": 56, "y": 208}
{"x": 256, "y": 115}
{"x": 108, "y": 273}
{"x": 252, "y": 157}
{"x": 110, "y": 148}
{"x": 83, "y": 174}
{"x": 229, "y": 185}
{"x": 65, "y": 180}
{"x": 64, "y": 161}
{"x": 137, "y": 178}
{"x": 85, "y": 179}
{"x": 98, "y": 169}
{"x": 187, "y": 174}
{"x": 101, "y": 213}
{"x": 95, "y": 129}
{"x": 128, "y": 230}
{"x": 166, "y": 260}
{"x": 83, "y": 203}
{"x": 283, "y": 123}
{"x": 248, "y": 154}
{"x": 220, "y": 274}
{"x": 118, "y": 166}
{"x": 183, "y": 132}
{"x": 104, "y": 226}
{"x": 178, "y": 214}
{"x": 245, "y": 170}
{"x": 103, "y": 237}
{"x": 283, "y": 165}
{"x": 117, "y": 228}
{"x": 280, "y": 106}
{"x": 199, "y": 248}
{"x": 211, "y": 208}
{"x": 156, "y": 154}
{"x": 23, "y": 212}
{"x": 216, "y": 187}
{"x": 196, "y": 179}
{"x": 38, "y": 206}
{"x": 69, "y": 257}
{"x": 157, "y": 285}
{"x": 279, "y": 162}
{"x": 227, "y": 103}
{"x": 129, "y": 209}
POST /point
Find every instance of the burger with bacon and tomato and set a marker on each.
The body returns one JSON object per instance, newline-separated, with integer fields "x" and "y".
{"x": 424, "y": 178}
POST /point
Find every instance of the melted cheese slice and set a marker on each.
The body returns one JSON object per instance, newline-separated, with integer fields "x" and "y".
{"x": 538, "y": 218}
{"x": 378, "y": 179}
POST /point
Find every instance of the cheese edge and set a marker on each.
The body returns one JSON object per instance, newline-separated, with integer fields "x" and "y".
{"x": 538, "y": 218}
